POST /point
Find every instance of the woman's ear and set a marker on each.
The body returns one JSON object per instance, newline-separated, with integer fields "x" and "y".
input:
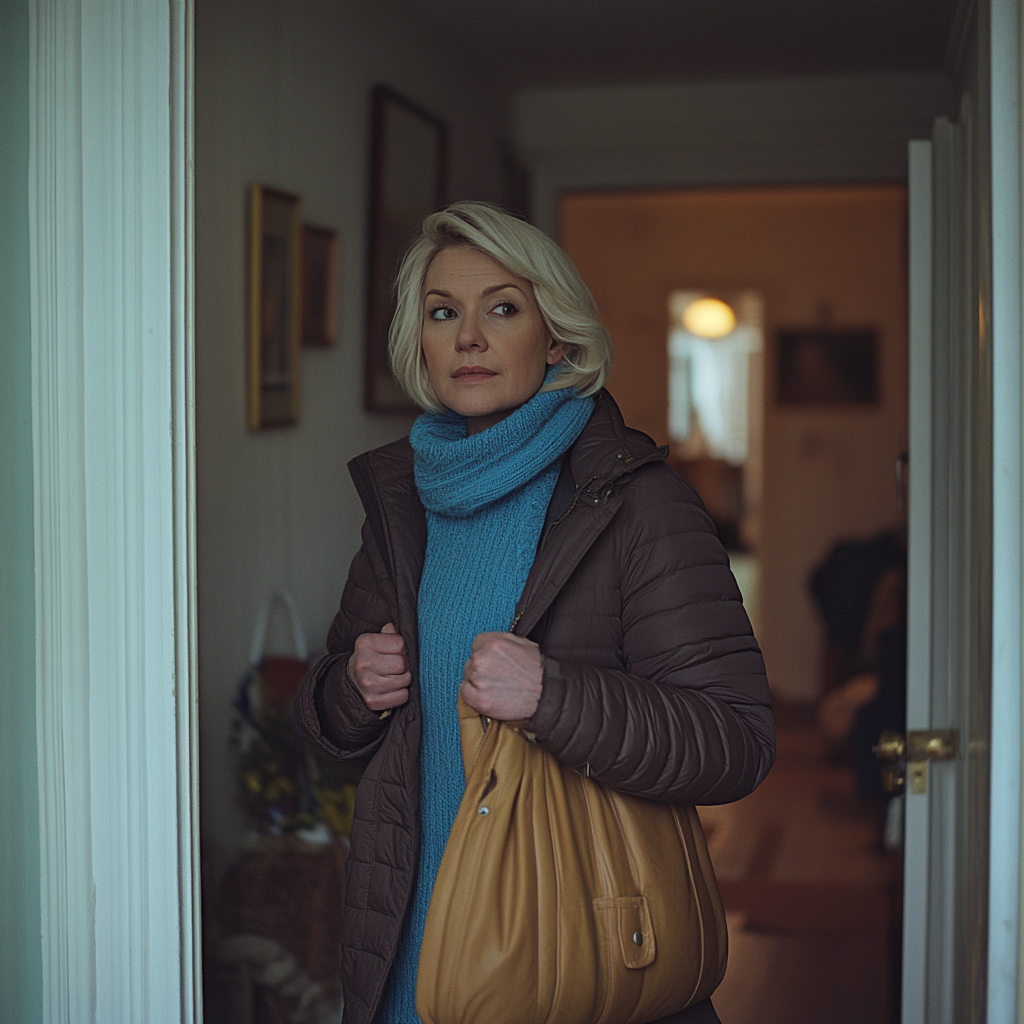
{"x": 556, "y": 352}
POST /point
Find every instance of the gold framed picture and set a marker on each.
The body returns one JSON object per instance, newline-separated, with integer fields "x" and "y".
{"x": 275, "y": 306}
{"x": 319, "y": 286}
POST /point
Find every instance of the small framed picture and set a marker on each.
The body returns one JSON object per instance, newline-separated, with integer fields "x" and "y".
{"x": 275, "y": 306}
{"x": 319, "y": 286}
{"x": 828, "y": 367}
{"x": 407, "y": 184}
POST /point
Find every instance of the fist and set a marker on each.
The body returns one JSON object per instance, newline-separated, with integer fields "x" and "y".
{"x": 503, "y": 677}
{"x": 379, "y": 670}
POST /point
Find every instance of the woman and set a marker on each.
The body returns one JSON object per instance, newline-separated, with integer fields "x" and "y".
{"x": 520, "y": 498}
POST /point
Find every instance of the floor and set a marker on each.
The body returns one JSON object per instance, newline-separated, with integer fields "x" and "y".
{"x": 811, "y": 897}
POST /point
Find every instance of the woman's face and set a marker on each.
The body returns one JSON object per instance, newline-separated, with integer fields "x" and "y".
{"x": 484, "y": 341}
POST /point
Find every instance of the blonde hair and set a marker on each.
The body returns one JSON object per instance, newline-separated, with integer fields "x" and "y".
{"x": 565, "y": 302}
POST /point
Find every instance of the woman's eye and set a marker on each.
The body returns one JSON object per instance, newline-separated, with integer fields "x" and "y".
{"x": 506, "y": 309}
{"x": 442, "y": 313}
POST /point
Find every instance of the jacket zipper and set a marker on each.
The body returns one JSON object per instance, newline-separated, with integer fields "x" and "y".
{"x": 485, "y": 722}
{"x": 575, "y": 502}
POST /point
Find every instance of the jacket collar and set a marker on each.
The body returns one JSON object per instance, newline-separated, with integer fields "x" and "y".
{"x": 608, "y": 449}
{"x": 605, "y": 452}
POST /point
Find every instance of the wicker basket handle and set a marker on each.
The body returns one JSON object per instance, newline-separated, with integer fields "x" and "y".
{"x": 259, "y": 635}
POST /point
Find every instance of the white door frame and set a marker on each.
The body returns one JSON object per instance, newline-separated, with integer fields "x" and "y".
{"x": 110, "y": 201}
{"x": 919, "y": 557}
{"x": 1004, "y": 951}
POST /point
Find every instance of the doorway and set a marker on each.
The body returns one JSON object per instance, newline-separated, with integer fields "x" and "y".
{"x": 812, "y": 891}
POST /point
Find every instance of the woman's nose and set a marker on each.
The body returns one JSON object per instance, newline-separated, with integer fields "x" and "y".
{"x": 470, "y": 336}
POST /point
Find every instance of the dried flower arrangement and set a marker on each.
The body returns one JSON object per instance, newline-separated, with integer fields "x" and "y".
{"x": 285, "y": 786}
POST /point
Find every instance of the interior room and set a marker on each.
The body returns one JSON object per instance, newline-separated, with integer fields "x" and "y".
{"x": 722, "y": 151}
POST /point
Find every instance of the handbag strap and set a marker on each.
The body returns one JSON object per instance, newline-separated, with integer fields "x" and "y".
{"x": 259, "y": 634}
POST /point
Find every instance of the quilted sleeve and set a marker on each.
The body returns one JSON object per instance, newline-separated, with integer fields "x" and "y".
{"x": 687, "y": 718}
{"x": 328, "y": 706}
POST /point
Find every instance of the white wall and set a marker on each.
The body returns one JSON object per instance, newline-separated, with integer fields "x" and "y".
{"x": 283, "y": 98}
{"x": 707, "y": 133}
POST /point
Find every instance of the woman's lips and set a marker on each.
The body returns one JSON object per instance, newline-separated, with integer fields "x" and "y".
{"x": 472, "y": 374}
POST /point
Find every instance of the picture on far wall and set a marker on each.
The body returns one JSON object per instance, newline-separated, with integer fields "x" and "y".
{"x": 828, "y": 367}
{"x": 409, "y": 162}
{"x": 275, "y": 310}
{"x": 319, "y": 286}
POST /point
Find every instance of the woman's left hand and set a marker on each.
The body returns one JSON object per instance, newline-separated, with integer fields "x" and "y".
{"x": 503, "y": 677}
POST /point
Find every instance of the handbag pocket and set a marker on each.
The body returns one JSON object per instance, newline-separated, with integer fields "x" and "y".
{"x": 626, "y": 925}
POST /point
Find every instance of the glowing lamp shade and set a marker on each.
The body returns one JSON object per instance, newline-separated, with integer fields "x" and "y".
{"x": 709, "y": 318}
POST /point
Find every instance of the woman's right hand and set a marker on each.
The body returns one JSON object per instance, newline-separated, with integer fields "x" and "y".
{"x": 379, "y": 670}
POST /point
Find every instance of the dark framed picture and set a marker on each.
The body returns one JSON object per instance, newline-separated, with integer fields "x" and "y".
{"x": 275, "y": 275}
{"x": 319, "y": 286}
{"x": 409, "y": 156}
{"x": 828, "y": 367}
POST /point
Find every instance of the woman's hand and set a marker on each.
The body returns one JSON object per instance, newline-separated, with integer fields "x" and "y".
{"x": 503, "y": 677}
{"x": 379, "y": 670}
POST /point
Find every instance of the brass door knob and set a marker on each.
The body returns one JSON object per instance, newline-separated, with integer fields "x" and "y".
{"x": 890, "y": 748}
{"x": 900, "y": 756}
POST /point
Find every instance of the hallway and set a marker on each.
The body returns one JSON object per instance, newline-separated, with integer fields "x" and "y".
{"x": 812, "y": 900}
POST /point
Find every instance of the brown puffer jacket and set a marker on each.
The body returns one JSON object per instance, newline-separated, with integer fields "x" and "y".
{"x": 652, "y": 676}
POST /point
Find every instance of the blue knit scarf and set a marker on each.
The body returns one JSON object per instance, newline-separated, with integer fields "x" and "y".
{"x": 485, "y": 497}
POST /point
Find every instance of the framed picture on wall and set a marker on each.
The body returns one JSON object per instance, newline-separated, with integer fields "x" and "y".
{"x": 409, "y": 155}
{"x": 319, "y": 286}
{"x": 828, "y": 367}
{"x": 275, "y": 306}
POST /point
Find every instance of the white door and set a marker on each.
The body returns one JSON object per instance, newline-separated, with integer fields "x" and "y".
{"x": 945, "y": 894}
{"x": 963, "y": 827}
{"x": 949, "y": 583}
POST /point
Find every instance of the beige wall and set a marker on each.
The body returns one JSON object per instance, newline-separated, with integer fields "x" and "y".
{"x": 828, "y": 473}
{"x": 282, "y": 97}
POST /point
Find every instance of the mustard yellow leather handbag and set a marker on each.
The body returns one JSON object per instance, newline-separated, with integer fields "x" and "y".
{"x": 559, "y": 901}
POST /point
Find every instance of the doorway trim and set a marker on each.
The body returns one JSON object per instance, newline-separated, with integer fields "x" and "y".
{"x": 1005, "y": 848}
{"x": 110, "y": 220}
{"x": 919, "y": 560}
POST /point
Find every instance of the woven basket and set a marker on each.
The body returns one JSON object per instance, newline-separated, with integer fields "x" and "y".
{"x": 292, "y": 892}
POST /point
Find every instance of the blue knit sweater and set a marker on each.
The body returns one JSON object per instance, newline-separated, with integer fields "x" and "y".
{"x": 485, "y": 498}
